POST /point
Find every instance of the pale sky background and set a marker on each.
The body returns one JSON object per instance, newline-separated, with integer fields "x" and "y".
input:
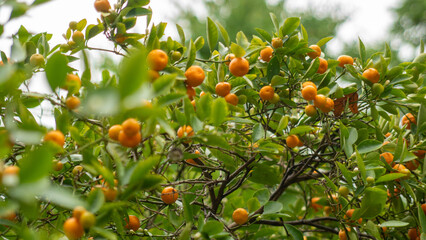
{"x": 369, "y": 19}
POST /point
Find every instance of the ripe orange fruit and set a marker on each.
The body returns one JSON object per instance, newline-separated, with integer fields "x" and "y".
{"x": 102, "y": 6}
{"x": 229, "y": 58}
{"x": 129, "y": 141}
{"x": 78, "y": 211}
{"x": 371, "y": 75}
{"x": 87, "y": 219}
{"x": 292, "y": 141}
{"x": 73, "y": 229}
{"x": 114, "y": 131}
{"x": 320, "y": 101}
{"x": 329, "y": 105}
{"x": 323, "y": 65}
{"x": 202, "y": 93}
{"x": 424, "y": 208}
{"x": 131, "y": 127}
{"x": 388, "y": 158}
{"x": 157, "y": 59}
{"x": 9, "y": 216}
{"x": 315, "y": 205}
{"x": 408, "y": 119}
{"x": 223, "y": 88}
{"x": 395, "y": 193}
{"x": 73, "y": 102}
{"x": 266, "y": 54}
{"x": 78, "y": 37}
{"x": 345, "y": 59}
{"x": 266, "y": 93}
{"x": 402, "y": 169}
{"x": 110, "y": 194}
{"x": 315, "y": 54}
{"x": 231, "y": 99}
{"x": 185, "y": 131}
{"x": 349, "y": 214}
{"x": 240, "y": 216}
{"x": 414, "y": 234}
{"x": 387, "y": 134}
{"x": 57, "y": 165}
{"x": 193, "y": 103}
{"x": 191, "y": 161}
{"x": 56, "y": 137}
{"x": 72, "y": 81}
{"x": 169, "y": 195}
{"x": 194, "y": 76}
{"x": 239, "y": 67}
{"x": 190, "y": 91}
{"x": 277, "y": 42}
{"x": 342, "y": 235}
{"x": 153, "y": 75}
{"x": 420, "y": 153}
{"x": 310, "y": 110}
{"x": 11, "y": 170}
{"x": 412, "y": 165}
{"x": 132, "y": 223}
{"x": 309, "y": 92}
{"x": 309, "y": 83}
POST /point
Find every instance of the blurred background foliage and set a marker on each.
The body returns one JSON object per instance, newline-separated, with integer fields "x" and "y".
{"x": 240, "y": 15}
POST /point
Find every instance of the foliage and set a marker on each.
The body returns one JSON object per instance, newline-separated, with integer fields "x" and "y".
{"x": 218, "y": 156}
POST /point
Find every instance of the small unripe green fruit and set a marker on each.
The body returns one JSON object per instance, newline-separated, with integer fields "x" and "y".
{"x": 73, "y": 25}
{"x": 65, "y": 47}
{"x": 77, "y": 170}
{"x": 275, "y": 99}
{"x": 87, "y": 219}
{"x": 78, "y": 37}
{"x": 344, "y": 191}
{"x": 176, "y": 55}
{"x": 370, "y": 180}
{"x": 37, "y": 60}
{"x": 377, "y": 89}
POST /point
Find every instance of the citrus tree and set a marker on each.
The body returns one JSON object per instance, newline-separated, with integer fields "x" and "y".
{"x": 265, "y": 139}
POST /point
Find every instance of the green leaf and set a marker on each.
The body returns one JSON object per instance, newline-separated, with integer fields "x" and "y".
{"x": 253, "y": 204}
{"x": 219, "y": 111}
{"x": 61, "y": 197}
{"x": 212, "y": 34}
{"x": 132, "y": 73}
{"x": 56, "y": 70}
{"x": 282, "y": 124}
{"x": 224, "y": 34}
{"x": 163, "y": 84}
{"x": 422, "y": 217}
{"x": 290, "y": 24}
{"x": 273, "y": 68}
{"x": 372, "y": 203}
{"x": 323, "y": 41}
{"x": 237, "y": 50}
{"x": 81, "y": 24}
{"x": 181, "y": 34}
{"x": 138, "y": 12}
{"x": 265, "y": 174}
{"x": 258, "y": 132}
{"x": 37, "y": 164}
{"x": 300, "y": 130}
{"x": 294, "y": 232}
{"x": 369, "y": 145}
{"x": 264, "y": 34}
{"x": 275, "y": 22}
{"x": 170, "y": 98}
{"x": 212, "y": 227}
{"x": 199, "y": 43}
{"x": 362, "y": 53}
{"x": 361, "y": 166}
{"x": 272, "y": 207}
{"x": 394, "y": 223}
{"x": 389, "y": 177}
{"x": 191, "y": 54}
{"x": 313, "y": 68}
{"x": 262, "y": 195}
{"x": 346, "y": 174}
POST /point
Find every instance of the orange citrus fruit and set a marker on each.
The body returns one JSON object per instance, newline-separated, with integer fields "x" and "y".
{"x": 388, "y": 158}
{"x": 185, "y": 131}
{"x": 56, "y": 137}
{"x": 114, "y": 131}
{"x": 229, "y": 58}
{"x": 190, "y": 91}
{"x": 131, "y": 127}
{"x": 223, "y": 88}
{"x": 277, "y": 42}
{"x": 408, "y": 119}
{"x": 292, "y": 141}
{"x": 309, "y": 83}
{"x": 73, "y": 229}
{"x": 329, "y": 105}
{"x": 194, "y": 76}
{"x": 133, "y": 223}
{"x": 310, "y": 110}
{"x": 129, "y": 141}
{"x": 231, "y": 99}
{"x": 349, "y": 214}
{"x": 102, "y": 5}
{"x": 316, "y": 53}
{"x": 239, "y": 67}
{"x": 169, "y": 195}
{"x": 73, "y": 102}
{"x": 240, "y": 216}
{"x": 309, "y": 92}
{"x": 345, "y": 59}
{"x": 266, "y": 93}
{"x": 323, "y": 65}
{"x": 371, "y": 75}
{"x": 266, "y": 54}
{"x": 320, "y": 101}
{"x": 157, "y": 59}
